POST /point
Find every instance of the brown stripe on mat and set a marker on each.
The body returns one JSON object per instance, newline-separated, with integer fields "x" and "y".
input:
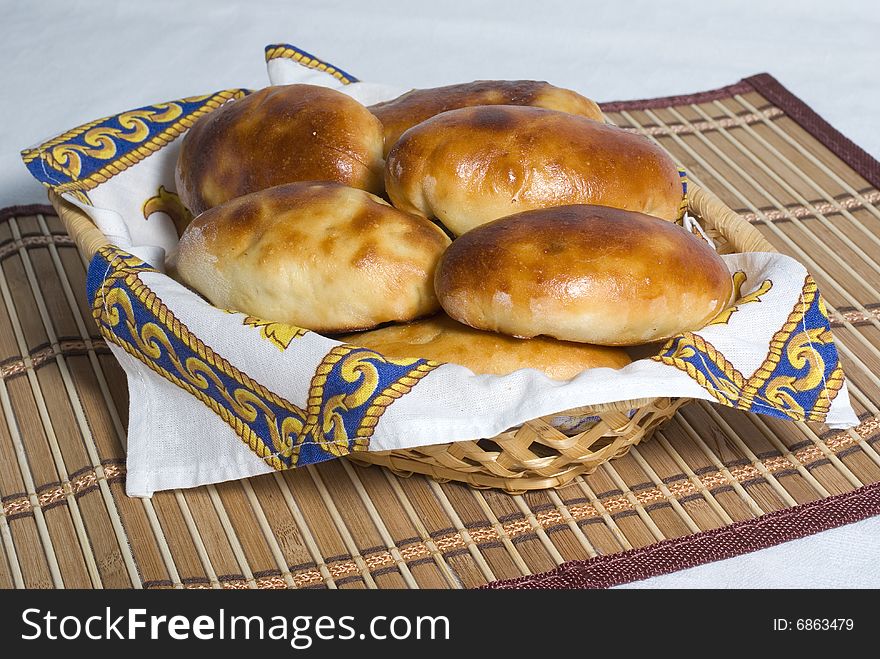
{"x": 689, "y": 551}
{"x": 740, "y": 87}
{"x": 65, "y": 520}
{"x": 25, "y": 210}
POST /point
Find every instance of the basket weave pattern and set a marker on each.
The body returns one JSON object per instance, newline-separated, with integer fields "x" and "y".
{"x": 535, "y": 455}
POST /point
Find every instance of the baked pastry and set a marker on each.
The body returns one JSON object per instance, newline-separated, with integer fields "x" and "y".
{"x": 402, "y": 113}
{"x": 470, "y": 166}
{"x": 583, "y": 273}
{"x": 442, "y": 339}
{"x": 279, "y": 135}
{"x": 320, "y": 256}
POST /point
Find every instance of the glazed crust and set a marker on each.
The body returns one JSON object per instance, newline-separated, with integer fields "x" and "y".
{"x": 279, "y": 135}
{"x": 442, "y": 339}
{"x": 470, "y": 166}
{"x": 402, "y": 113}
{"x": 320, "y": 256}
{"x": 583, "y": 273}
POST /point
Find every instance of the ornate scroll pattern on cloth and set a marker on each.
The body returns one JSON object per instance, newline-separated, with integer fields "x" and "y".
{"x": 798, "y": 378}
{"x": 802, "y": 370}
{"x": 86, "y": 156}
{"x": 349, "y": 392}
{"x": 698, "y": 358}
{"x": 351, "y": 389}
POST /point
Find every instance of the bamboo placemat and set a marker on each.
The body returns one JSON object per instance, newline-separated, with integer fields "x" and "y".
{"x": 66, "y": 522}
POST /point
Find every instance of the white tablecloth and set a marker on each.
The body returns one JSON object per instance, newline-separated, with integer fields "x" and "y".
{"x": 67, "y": 62}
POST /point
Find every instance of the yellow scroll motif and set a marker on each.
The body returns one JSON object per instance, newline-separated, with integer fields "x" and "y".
{"x": 99, "y": 141}
{"x": 241, "y": 404}
{"x": 358, "y": 367}
{"x": 105, "y": 147}
{"x": 151, "y": 339}
{"x": 280, "y": 334}
{"x": 739, "y": 278}
{"x": 170, "y": 204}
{"x": 794, "y": 380}
{"x": 800, "y": 353}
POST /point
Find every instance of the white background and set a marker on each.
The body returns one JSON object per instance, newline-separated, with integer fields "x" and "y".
{"x": 64, "y": 62}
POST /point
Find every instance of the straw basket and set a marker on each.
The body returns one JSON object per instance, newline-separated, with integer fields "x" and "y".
{"x": 544, "y": 452}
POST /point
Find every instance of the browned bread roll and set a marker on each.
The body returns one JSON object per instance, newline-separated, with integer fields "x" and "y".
{"x": 317, "y": 255}
{"x": 279, "y": 135}
{"x": 402, "y": 113}
{"x": 470, "y": 166}
{"x": 442, "y": 339}
{"x": 583, "y": 273}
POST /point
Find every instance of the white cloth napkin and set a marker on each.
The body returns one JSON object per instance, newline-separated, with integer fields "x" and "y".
{"x": 218, "y": 395}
